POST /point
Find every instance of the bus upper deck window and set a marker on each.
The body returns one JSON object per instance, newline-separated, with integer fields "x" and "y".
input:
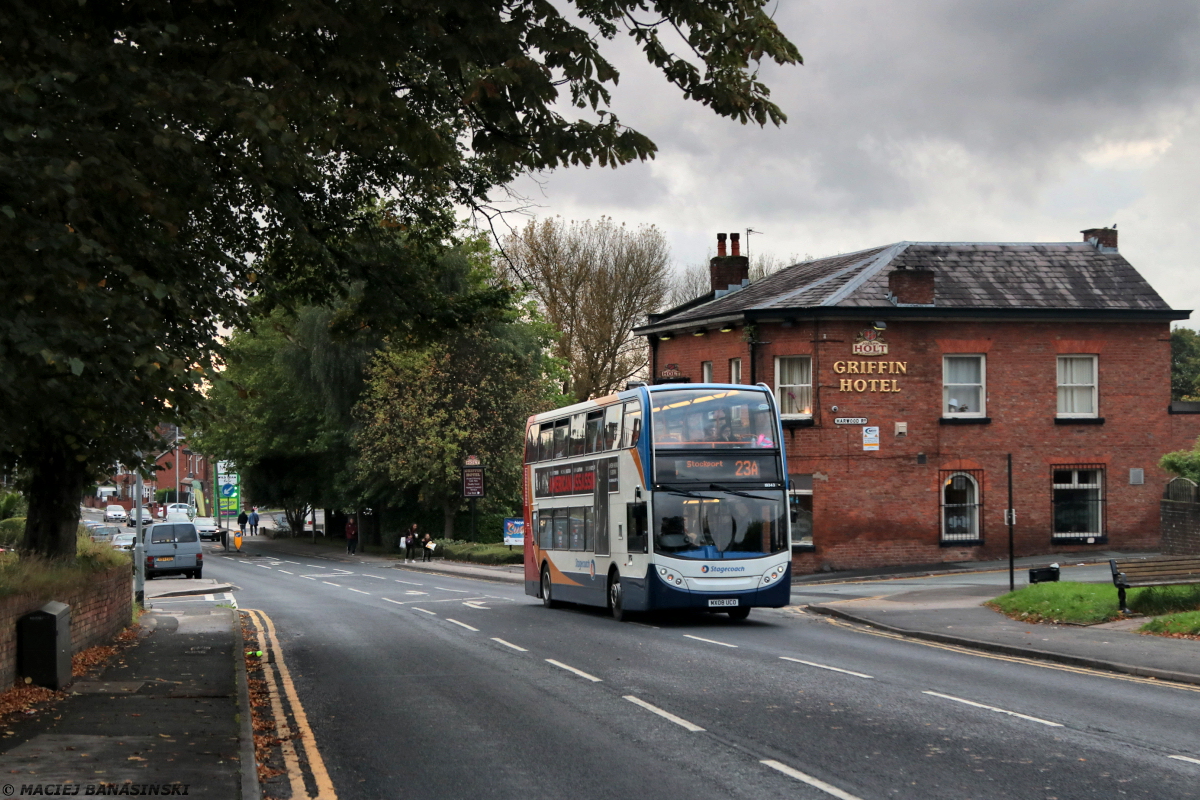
{"x": 575, "y": 446}
{"x": 633, "y": 424}
{"x": 560, "y": 438}
{"x": 546, "y": 442}
{"x": 594, "y": 438}
{"x": 612, "y": 427}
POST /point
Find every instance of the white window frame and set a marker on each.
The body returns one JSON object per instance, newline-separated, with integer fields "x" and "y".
{"x": 706, "y": 374}
{"x": 780, "y": 387}
{"x": 1095, "y": 385}
{"x": 982, "y": 411}
{"x": 1098, "y": 486}
{"x": 735, "y": 370}
{"x": 975, "y": 510}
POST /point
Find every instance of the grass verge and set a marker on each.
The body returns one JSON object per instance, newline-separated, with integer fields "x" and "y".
{"x": 480, "y": 553}
{"x": 1182, "y": 625}
{"x": 1090, "y": 603}
{"x": 25, "y": 574}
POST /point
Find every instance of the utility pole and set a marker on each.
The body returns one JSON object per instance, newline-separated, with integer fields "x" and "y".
{"x": 176, "y": 464}
{"x": 139, "y": 551}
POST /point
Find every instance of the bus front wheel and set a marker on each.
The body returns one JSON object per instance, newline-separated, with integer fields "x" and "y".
{"x": 739, "y": 613}
{"x": 616, "y": 598}
{"x": 547, "y": 597}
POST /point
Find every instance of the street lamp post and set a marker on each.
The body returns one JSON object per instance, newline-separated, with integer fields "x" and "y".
{"x": 139, "y": 563}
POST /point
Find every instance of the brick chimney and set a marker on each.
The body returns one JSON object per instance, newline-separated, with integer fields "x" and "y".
{"x": 914, "y": 287}
{"x": 1103, "y": 239}
{"x": 725, "y": 271}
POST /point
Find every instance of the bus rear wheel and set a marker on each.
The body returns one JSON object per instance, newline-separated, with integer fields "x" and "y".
{"x": 616, "y": 598}
{"x": 547, "y": 592}
{"x": 739, "y": 613}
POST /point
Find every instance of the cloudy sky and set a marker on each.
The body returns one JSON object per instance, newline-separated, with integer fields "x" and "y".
{"x": 931, "y": 120}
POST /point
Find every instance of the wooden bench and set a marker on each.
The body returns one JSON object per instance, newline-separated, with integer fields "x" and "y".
{"x": 1161, "y": 571}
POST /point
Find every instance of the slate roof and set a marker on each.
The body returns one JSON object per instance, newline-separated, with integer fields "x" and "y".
{"x": 967, "y": 275}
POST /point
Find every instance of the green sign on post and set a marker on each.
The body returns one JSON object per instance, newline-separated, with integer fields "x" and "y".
{"x": 229, "y": 494}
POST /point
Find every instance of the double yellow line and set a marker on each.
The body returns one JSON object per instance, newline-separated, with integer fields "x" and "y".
{"x": 281, "y": 689}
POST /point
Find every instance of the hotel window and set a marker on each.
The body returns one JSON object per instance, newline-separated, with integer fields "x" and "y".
{"x": 793, "y": 385}
{"x": 1077, "y": 386}
{"x": 800, "y": 504}
{"x": 964, "y": 387}
{"x": 735, "y": 370}
{"x": 1079, "y": 503}
{"x": 706, "y": 372}
{"x": 962, "y": 499}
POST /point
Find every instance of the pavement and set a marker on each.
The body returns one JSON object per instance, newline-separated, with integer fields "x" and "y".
{"x": 174, "y": 710}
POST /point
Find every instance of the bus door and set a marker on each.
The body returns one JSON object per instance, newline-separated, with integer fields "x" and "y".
{"x": 638, "y": 527}
{"x": 600, "y": 507}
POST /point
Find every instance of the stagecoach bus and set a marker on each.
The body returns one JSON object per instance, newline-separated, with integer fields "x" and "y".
{"x": 659, "y": 497}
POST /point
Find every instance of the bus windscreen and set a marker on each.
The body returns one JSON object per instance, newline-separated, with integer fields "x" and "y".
{"x": 692, "y": 418}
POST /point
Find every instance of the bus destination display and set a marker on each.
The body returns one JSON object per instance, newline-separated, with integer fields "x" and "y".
{"x": 716, "y": 469}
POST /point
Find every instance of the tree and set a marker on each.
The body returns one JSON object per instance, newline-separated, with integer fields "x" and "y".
{"x": 1185, "y": 364}
{"x": 594, "y": 281}
{"x": 1185, "y": 463}
{"x": 154, "y": 150}
{"x": 425, "y": 409}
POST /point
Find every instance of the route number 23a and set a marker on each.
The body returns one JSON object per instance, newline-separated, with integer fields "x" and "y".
{"x": 746, "y": 469}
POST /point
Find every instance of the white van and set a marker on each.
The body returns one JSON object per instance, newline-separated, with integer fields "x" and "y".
{"x": 173, "y": 548}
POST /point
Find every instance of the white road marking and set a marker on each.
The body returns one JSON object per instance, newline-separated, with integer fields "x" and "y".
{"x": 423, "y": 611}
{"x": 332, "y": 584}
{"x": 826, "y": 666}
{"x": 390, "y": 600}
{"x": 360, "y": 591}
{"x": 475, "y": 604}
{"x": 308, "y": 577}
{"x": 462, "y": 624}
{"x": 1185, "y": 758}
{"x": 810, "y": 780}
{"x": 523, "y": 650}
{"x": 444, "y": 589}
{"x": 993, "y": 708}
{"x": 285, "y": 572}
{"x": 710, "y": 641}
{"x": 290, "y": 562}
{"x": 578, "y": 672}
{"x": 376, "y": 577}
{"x": 414, "y": 591}
{"x": 664, "y": 714}
{"x": 410, "y": 583}
{"x": 209, "y": 597}
{"x": 262, "y": 566}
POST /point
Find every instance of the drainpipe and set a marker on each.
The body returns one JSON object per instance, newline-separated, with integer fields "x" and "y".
{"x": 653, "y": 357}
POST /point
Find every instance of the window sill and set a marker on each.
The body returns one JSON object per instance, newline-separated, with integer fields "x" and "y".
{"x": 1079, "y": 420}
{"x": 797, "y": 422}
{"x": 965, "y": 421}
{"x": 1080, "y": 539}
{"x": 961, "y": 543}
{"x": 803, "y": 548}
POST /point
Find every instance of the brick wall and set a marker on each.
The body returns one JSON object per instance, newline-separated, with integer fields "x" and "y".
{"x": 99, "y": 612}
{"x": 876, "y": 508}
{"x": 1180, "y": 528}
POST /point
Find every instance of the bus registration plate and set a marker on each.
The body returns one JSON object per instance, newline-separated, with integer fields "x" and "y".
{"x": 732, "y": 602}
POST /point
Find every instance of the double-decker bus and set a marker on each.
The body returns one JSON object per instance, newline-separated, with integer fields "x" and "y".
{"x": 659, "y": 497}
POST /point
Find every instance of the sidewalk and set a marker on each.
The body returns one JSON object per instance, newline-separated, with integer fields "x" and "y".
{"x": 948, "y": 608}
{"x": 171, "y": 711}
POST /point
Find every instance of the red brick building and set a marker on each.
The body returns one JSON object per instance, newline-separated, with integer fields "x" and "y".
{"x": 907, "y": 374}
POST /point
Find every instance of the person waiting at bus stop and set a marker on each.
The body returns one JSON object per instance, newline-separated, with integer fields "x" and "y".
{"x": 351, "y": 535}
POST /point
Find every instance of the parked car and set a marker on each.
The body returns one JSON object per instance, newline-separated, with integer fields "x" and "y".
{"x": 123, "y": 541}
{"x": 115, "y": 514}
{"x": 176, "y": 508}
{"x": 147, "y": 518}
{"x": 207, "y": 528}
{"x": 90, "y": 524}
{"x": 105, "y": 533}
{"x": 173, "y": 548}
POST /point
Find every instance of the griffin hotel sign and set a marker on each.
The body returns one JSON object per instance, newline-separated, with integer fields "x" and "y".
{"x": 869, "y": 343}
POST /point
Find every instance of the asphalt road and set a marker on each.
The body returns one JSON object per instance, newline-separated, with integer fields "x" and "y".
{"x": 423, "y": 686}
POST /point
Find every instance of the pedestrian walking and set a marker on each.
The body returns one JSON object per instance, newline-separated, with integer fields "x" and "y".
{"x": 427, "y": 546}
{"x": 351, "y": 535}
{"x": 243, "y": 518}
{"x": 413, "y": 541}
{"x": 254, "y": 522}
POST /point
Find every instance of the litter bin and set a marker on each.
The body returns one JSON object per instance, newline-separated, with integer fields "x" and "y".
{"x": 1044, "y": 574}
{"x": 44, "y": 645}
